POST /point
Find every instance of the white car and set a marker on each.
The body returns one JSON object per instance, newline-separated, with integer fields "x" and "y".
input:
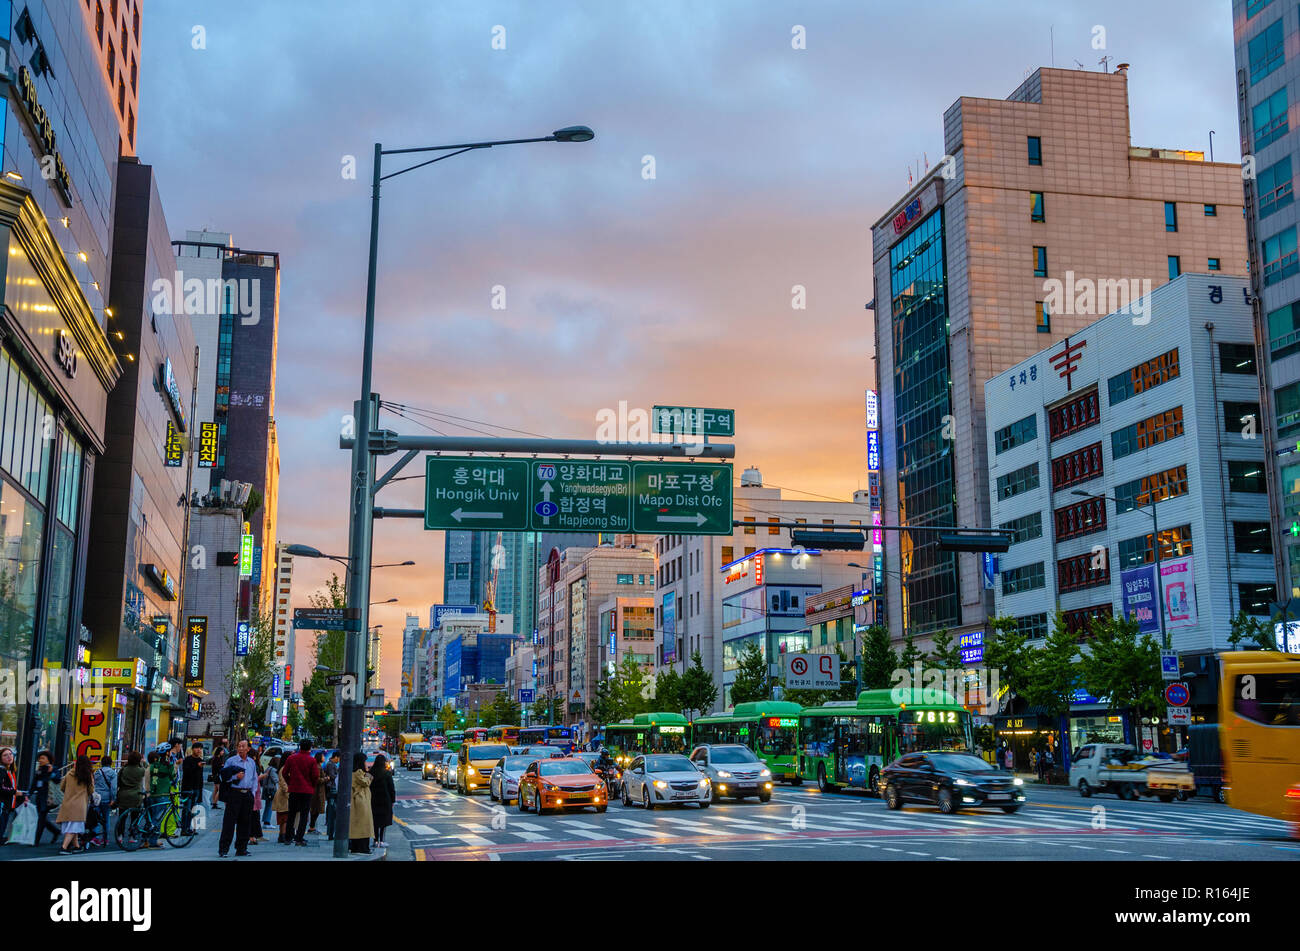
{"x": 504, "y": 782}
{"x": 661, "y": 779}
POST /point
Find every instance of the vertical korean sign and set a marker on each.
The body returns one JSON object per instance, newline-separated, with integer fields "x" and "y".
{"x": 246, "y": 555}
{"x": 174, "y": 451}
{"x": 207, "y": 445}
{"x": 196, "y": 639}
{"x": 1139, "y": 593}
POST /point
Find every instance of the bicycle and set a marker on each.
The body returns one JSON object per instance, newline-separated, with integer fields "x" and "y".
{"x": 135, "y": 825}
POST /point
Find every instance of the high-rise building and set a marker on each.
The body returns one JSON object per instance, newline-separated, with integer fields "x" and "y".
{"x": 58, "y": 362}
{"x": 1266, "y": 35}
{"x": 463, "y": 561}
{"x": 113, "y": 26}
{"x": 237, "y": 292}
{"x": 212, "y": 596}
{"x": 137, "y": 529}
{"x": 285, "y": 642}
{"x": 1023, "y": 234}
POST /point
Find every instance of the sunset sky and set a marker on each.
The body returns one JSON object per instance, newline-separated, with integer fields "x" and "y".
{"x": 770, "y": 165}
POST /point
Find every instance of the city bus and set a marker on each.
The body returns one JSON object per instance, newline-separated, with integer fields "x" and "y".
{"x": 454, "y": 739}
{"x": 646, "y": 733}
{"x": 547, "y": 734}
{"x": 476, "y": 734}
{"x": 503, "y": 733}
{"x": 1259, "y": 714}
{"x": 847, "y": 743}
{"x": 770, "y": 728}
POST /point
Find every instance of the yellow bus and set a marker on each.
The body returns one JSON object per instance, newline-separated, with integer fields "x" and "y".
{"x": 503, "y": 733}
{"x": 1259, "y": 712}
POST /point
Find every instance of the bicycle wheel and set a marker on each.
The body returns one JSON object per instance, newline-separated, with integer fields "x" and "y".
{"x": 171, "y": 826}
{"x": 128, "y": 833}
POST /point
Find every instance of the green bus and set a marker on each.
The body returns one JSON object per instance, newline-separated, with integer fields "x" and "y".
{"x": 646, "y": 733}
{"x": 454, "y": 739}
{"x": 847, "y": 743}
{"x": 768, "y": 727}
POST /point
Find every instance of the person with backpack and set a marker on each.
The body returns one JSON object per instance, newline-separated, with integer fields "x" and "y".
{"x": 43, "y": 796}
{"x": 270, "y": 783}
{"x": 106, "y": 787}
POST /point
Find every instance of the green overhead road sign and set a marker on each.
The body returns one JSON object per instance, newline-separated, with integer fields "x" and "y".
{"x": 687, "y": 498}
{"x": 577, "y": 495}
{"x": 694, "y": 421}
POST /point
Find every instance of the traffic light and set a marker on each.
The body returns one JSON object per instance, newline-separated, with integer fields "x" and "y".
{"x": 1295, "y": 528}
{"x": 974, "y": 541}
{"x": 827, "y": 541}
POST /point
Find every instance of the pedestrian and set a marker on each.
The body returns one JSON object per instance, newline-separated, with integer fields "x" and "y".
{"x": 1010, "y": 758}
{"x": 382, "y": 796}
{"x": 192, "y": 784}
{"x": 218, "y": 760}
{"x": 131, "y": 780}
{"x": 331, "y": 792}
{"x": 361, "y": 823}
{"x": 78, "y": 788}
{"x": 106, "y": 786}
{"x": 280, "y": 806}
{"x": 270, "y": 782}
{"x": 40, "y": 796}
{"x": 255, "y": 831}
{"x": 161, "y": 777}
{"x": 238, "y": 779}
{"x": 318, "y": 802}
{"x": 10, "y": 797}
{"x": 176, "y": 755}
{"x": 300, "y": 772}
{"x": 1049, "y": 762}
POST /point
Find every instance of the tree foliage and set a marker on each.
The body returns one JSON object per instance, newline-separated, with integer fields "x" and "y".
{"x": 698, "y": 693}
{"x": 667, "y": 691}
{"x": 1053, "y": 670}
{"x": 879, "y": 660}
{"x": 1123, "y": 666}
{"x": 752, "y": 680}
{"x": 945, "y": 653}
{"x": 1252, "y": 633}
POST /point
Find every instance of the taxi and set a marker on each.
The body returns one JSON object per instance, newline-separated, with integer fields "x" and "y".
{"x": 474, "y": 765}
{"x": 562, "y": 783}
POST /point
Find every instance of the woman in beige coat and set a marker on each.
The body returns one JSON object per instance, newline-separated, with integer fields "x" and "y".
{"x": 280, "y": 806}
{"x": 78, "y": 787}
{"x": 361, "y": 825}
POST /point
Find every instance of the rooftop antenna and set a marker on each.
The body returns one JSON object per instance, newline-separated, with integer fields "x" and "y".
{"x": 1079, "y": 65}
{"x": 1105, "y": 64}
{"x": 1052, "y": 33}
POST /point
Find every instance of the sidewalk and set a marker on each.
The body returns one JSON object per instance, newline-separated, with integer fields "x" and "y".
{"x": 317, "y": 848}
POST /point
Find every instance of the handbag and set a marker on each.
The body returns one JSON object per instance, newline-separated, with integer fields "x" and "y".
{"x": 55, "y": 796}
{"x": 22, "y": 831}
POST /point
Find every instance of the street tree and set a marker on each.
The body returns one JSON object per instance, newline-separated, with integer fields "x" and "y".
{"x": 752, "y": 681}
{"x": 945, "y": 653}
{"x": 1007, "y": 651}
{"x": 699, "y": 692}
{"x": 604, "y": 706}
{"x": 910, "y": 654}
{"x": 1122, "y": 666}
{"x": 879, "y": 660}
{"x": 249, "y": 678}
{"x": 504, "y": 709}
{"x": 668, "y": 691}
{"x": 317, "y": 694}
{"x": 630, "y": 693}
{"x": 448, "y": 717}
{"x": 1054, "y": 672}
{"x": 1252, "y": 633}
{"x": 546, "y": 710}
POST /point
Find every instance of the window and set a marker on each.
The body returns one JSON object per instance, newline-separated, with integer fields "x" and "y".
{"x": 1023, "y": 479}
{"x": 1080, "y": 413}
{"x": 1024, "y": 578}
{"x": 624, "y": 579}
{"x": 1252, "y": 538}
{"x": 1273, "y": 187}
{"x": 1171, "y": 216}
{"x": 1287, "y": 399}
{"x": 1175, "y": 266}
{"x": 1269, "y": 119}
{"x": 1080, "y": 518}
{"x": 1237, "y": 358}
{"x": 1212, "y": 264}
{"x": 1174, "y": 543}
{"x": 1254, "y": 6}
{"x": 1283, "y": 334}
{"x": 1026, "y": 528}
{"x": 773, "y": 529}
{"x": 1211, "y": 211}
{"x": 1036, "y": 212}
{"x": 1266, "y": 52}
{"x": 1032, "y": 626}
{"x": 1078, "y": 621}
{"x": 1254, "y": 600}
{"x": 728, "y": 554}
{"x": 749, "y": 550}
{"x": 1238, "y": 416}
{"x": 1280, "y": 259}
{"x": 1040, "y": 261}
{"x": 1143, "y": 377}
{"x": 1246, "y": 477}
{"x": 99, "y": 23}
{"x": 1156, "y": 487}
{"x": 749, "y": 529}
{"x": 1042, "y": 318}
{"x": 1075, "y": 467}
{"x": 1017, "y": 434}
{"x": 1081, "y": 571}
{"x": 111, "y": 62}
{"x": 1035, "y": 150}
{"x": 1147, "y": 433}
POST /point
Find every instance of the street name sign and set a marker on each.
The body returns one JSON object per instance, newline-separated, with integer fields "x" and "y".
{"x": 568, "y": 495}
{"x": 693, "y": 421}
{"x": 326, "y": 619}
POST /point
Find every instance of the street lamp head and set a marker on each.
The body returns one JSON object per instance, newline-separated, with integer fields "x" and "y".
{"x": 405, "y": 564}
{"x": 1083, "y": 494}
{"x": 574, "y": 133}
{"x": 303, "y": 551}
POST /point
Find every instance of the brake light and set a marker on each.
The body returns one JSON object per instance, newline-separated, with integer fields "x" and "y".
{"x": 1293, "y": 792}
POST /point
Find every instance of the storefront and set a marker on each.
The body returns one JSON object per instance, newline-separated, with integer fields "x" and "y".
{"x": 1024, "y": 734}
{"x": 56, "y": 369}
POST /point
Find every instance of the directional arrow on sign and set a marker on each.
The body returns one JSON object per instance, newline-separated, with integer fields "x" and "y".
{"x": 459, "y": 514}
{"x": 546, "y": 497}
{"x": 697, "y": 518}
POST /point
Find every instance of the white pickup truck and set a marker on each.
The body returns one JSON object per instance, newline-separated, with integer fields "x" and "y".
{"x": 1117, "y": 768}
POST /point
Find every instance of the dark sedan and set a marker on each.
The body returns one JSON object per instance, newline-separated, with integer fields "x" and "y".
{"x": 951, "y": 781}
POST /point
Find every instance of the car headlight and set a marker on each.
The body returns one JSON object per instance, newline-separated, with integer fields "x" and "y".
{"x": 1018, "y": 781}
{"x": 723, "y": 774}
{"x": 704, "y": 783}
{"x": 766, "y": 774}
{"x": 961, "y": 782}
{"x": 471, "y": 771}
{"x": 660, "y": 784}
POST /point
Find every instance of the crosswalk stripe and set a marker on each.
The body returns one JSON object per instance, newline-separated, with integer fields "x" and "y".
{"x": 418, "y": 829}
{"x": 532, "y": 836}
{"x": 530, "y": 826}
{"x": 746, "y": 823}
{"x": 472, "y": 839}
{"x": 696, "y": 825}
{"x": 646, "y": 828}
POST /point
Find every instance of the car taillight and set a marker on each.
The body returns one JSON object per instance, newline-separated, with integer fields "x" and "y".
{"x": 1293, "y": 792}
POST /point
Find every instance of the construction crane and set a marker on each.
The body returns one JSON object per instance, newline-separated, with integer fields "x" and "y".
{"x": 490, "y": 601}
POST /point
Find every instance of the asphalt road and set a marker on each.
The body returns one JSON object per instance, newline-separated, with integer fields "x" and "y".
{"x": 436, "y": 824}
